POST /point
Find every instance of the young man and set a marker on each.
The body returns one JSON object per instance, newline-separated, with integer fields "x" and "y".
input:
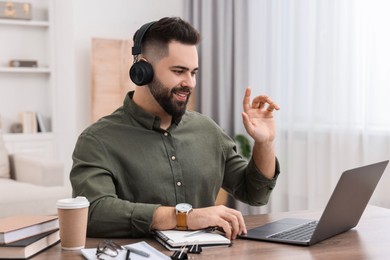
{"x": 154, "y": 165}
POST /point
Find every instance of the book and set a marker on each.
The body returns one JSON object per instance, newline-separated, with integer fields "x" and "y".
{"x": 175, "y": 239}
{"x": 29, "y": 122}
{"x": 40, "y": 123}
{"x": 19, "y": 227}
{"x": 90, "y": 253}
{"x": 25, "y": 248}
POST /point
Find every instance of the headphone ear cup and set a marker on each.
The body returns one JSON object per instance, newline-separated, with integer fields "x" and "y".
{"x": 141, "y": 73}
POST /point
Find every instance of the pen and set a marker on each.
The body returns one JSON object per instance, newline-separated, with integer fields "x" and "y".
{"x": 136, "y": 251}
{"x": 210, "y": 229}
{"x": 127, "y": 254}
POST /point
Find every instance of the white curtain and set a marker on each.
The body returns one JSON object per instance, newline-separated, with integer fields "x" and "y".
{"x": 327, "y": 64}
{"x": 223, "y": 25}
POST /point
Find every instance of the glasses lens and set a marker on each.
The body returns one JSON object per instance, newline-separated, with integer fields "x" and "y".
{"x": 108, "y": 248}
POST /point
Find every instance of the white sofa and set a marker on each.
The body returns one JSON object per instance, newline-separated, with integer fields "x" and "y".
{"x": 30, "y": 185}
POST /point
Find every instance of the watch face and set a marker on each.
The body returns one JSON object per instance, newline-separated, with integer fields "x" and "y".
{"x": 183, "y": 207}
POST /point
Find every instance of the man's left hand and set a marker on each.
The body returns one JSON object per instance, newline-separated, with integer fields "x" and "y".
{"x": 258, "y": 117}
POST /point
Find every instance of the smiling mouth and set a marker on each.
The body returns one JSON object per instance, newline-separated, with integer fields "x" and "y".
{"x": 181, "y": 95}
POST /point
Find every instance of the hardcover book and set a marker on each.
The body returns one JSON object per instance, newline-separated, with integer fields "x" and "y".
{"x": 19, "y": 227}
{"x": 28, "y": 247}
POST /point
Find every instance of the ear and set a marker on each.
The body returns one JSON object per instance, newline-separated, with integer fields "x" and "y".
{"x": 144, "y": 59}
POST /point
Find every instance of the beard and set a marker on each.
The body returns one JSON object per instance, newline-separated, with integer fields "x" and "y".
{"x": 165, "y": 97}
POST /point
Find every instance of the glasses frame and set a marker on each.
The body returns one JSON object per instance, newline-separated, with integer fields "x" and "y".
{"x": 108, "y": 247}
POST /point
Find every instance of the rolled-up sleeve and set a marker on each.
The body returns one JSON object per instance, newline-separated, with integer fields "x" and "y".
{"x": 243, "y": 179}
{"x": 258, "y": 187}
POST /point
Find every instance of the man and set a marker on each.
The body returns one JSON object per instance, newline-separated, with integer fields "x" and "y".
{"x": 139, "y": 165}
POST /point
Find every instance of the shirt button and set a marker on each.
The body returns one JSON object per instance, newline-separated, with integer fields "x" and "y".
{"x": 178, "y": 183}
{"x": 165, "y": 134}
{"x": 173, "y": 158}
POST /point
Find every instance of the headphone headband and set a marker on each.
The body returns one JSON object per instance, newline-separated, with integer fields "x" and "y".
{"x": 141, "y": 72}
{"x": 139, "y": 35}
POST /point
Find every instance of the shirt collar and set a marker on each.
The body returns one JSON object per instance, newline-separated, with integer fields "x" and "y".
{"x": 146, "y": 119}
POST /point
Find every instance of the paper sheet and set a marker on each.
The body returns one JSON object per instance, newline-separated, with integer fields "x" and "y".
{"x": 90, "y": 253}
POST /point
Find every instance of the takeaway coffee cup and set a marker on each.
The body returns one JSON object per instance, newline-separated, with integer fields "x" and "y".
{"x": 73, "y": 217}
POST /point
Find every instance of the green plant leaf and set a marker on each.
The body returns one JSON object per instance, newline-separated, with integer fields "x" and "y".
{"x": 244, "y": 145}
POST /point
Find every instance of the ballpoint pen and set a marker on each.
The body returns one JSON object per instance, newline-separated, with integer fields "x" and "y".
{"x": 197, "y": 232}
{"x": 136, "y": 251}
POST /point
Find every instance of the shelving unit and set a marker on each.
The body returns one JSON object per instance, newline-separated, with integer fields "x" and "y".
{"x": 28, "y": 89}
{"x": 24, "y": 23}
{"x": 24, "y": 70}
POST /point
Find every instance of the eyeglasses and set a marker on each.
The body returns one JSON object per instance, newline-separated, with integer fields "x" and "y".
{"x": 108, "y": 248}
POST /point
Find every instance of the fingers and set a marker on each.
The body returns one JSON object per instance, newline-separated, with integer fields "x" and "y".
{"x": 239, "y": 224}
{"x": 230, "y": 220}
{"x": 233, "y": 223}
{"x": 258, "y": 102}
{"x": 247, "y": 99}
{"x": 227, "y": 229}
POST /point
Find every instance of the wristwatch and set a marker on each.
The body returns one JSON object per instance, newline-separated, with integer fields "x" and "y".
{"x": 182, "y": 210}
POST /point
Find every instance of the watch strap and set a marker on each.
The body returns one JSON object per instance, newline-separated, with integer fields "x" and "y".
{"x": 181, "y": 221}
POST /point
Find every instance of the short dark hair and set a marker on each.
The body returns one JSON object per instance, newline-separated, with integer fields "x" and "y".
{"x": 166, "y": 30}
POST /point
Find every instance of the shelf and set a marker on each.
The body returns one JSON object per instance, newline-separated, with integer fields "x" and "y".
{"x": 24, "y": 70}
{"x": 32, "y": 23}
{"x": 29, "y": 88}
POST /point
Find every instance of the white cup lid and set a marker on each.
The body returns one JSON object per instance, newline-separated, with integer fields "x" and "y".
{"x": 73, "y": 203}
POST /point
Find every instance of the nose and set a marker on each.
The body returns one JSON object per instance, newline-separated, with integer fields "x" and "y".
{"x": 189, "y": 80}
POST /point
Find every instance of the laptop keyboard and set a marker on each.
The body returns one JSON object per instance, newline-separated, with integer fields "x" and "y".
{"x": 300, "y": 233}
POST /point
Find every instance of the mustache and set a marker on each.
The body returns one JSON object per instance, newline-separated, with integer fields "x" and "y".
{"x": 182, "y": 89}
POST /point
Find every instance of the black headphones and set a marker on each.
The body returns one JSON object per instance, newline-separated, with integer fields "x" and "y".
{"x": 141, "y": 72}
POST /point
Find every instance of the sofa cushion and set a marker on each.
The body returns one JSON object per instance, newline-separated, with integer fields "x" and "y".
{"x": 19, "y": 198}
{"x": 4, "y": 161}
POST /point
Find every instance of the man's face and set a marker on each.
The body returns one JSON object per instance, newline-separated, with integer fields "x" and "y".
{"x": 174, "y": 78}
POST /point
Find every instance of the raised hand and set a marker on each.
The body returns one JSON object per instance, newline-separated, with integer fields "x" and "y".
{"x": 258, "y": 117}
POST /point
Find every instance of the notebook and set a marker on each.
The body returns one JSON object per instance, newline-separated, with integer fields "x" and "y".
{"x": 343, "y": 211}
{"x": 175, "y": 239}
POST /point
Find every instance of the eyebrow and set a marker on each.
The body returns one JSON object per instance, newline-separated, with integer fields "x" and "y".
{"x": 183, "y": 68}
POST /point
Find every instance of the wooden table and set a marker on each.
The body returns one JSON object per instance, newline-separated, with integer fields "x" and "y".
{"x": 370, "y": 239}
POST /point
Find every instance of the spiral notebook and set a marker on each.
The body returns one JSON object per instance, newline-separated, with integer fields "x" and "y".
{"x": 175, "y": 239}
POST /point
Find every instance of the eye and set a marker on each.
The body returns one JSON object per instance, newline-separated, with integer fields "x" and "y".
{"x": 178, "y": 72}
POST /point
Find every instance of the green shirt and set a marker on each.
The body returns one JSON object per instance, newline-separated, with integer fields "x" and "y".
{"x": 127, "y": 166}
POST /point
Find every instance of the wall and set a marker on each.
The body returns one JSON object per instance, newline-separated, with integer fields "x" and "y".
{"x": 76, "y": 23}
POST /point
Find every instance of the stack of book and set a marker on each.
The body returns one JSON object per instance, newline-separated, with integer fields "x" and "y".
{"x": 24, "y": 236}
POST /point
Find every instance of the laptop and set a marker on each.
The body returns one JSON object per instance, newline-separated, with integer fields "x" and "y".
{"x": 343, "y": 211}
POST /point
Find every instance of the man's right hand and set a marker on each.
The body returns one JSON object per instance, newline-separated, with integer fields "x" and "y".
{"x": 230, "y": 220}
